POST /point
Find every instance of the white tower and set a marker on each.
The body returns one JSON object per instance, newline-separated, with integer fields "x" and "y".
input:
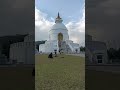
{"x": 58, "y": 30}
{"x": 58, "y": 39}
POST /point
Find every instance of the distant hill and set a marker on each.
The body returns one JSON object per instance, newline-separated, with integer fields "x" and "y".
{"x": 5, "y": 42}
{"x": 37, "y": 43}
{"x": 12, "y": 39}
{"x": 40, "y": 42}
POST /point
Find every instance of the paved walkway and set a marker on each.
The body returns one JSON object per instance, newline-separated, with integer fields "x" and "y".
{"x": 107, "y": 68}
{"x": 81, "y": 54}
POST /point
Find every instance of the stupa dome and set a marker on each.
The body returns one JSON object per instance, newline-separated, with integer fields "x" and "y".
{"x": 58, "y": 24}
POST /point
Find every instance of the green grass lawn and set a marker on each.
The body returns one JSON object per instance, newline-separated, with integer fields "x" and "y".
{"x": 99, "y": 80}
{"x": 59, "y": 73}
{"x": 16, "y": 78}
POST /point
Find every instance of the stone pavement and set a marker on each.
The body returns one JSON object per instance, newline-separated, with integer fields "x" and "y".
{"x": 81, "y": 54}
{"x": 105, "y": 68}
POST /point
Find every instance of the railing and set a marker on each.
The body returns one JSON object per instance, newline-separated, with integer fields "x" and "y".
{"x": 70, "y": 47}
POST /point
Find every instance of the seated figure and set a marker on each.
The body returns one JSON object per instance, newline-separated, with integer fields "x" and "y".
{"x": 50, "y": 55}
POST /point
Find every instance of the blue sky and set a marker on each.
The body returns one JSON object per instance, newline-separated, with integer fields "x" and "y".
{"x": 71, "y": 11}
{"x": 68, "y": 9}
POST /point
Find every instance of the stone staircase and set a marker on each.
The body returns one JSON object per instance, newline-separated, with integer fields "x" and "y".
{"x": 65, "y": 48}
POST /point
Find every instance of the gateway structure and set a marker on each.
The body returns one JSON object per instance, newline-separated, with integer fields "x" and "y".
{"x": 59, "y": 39}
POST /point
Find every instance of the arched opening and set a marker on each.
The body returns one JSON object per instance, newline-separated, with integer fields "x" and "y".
{"x": 60, "y": 37}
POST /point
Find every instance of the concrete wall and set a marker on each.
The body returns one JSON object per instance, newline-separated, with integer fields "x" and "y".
{"x": 22, "y": 52}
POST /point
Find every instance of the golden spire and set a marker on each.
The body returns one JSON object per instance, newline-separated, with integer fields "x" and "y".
{"x": 58, "y": 19}
{"x": 58, "y": 16}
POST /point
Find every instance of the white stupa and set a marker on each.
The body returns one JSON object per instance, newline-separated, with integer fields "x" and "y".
{"x": 59, "y": 39}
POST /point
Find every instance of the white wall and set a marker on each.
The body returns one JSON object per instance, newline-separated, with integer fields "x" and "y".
{"x": 49, "y": 46}
{"x": 22, "y": 52}
{"x": 54, "y": 34}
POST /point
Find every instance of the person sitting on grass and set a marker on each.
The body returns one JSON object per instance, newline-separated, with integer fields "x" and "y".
{"x": 50, "y": 55}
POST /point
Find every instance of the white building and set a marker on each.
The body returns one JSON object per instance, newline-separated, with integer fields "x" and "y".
{"x": 59, "y": 39}
{"x": 23, "y": 52}
{"x": 96, "y": 51}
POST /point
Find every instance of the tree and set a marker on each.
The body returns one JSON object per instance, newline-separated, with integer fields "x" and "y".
{"x": 37, "y": 43}
{"x": 82, "y": 49}
{"x": 112, "y": 53}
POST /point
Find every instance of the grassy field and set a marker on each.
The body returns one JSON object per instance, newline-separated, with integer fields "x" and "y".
{"x": 99, "y": 80}
{"x": 60, "y": 73}
{"x": 16, "y": 78}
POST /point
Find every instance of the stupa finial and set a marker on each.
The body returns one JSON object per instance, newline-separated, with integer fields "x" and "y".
{"x": 58, "y": 19}
{"x": 58, "y": 15}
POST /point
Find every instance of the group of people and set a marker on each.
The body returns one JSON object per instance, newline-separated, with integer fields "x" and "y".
{"x": 51, "y": 54}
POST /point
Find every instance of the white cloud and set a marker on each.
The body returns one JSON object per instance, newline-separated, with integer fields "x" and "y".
{"x": 43, "y": 25}
{"x": 77, "y": 30}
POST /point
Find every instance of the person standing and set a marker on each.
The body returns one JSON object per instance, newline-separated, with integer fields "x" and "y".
{"x": 55, "y": 53}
